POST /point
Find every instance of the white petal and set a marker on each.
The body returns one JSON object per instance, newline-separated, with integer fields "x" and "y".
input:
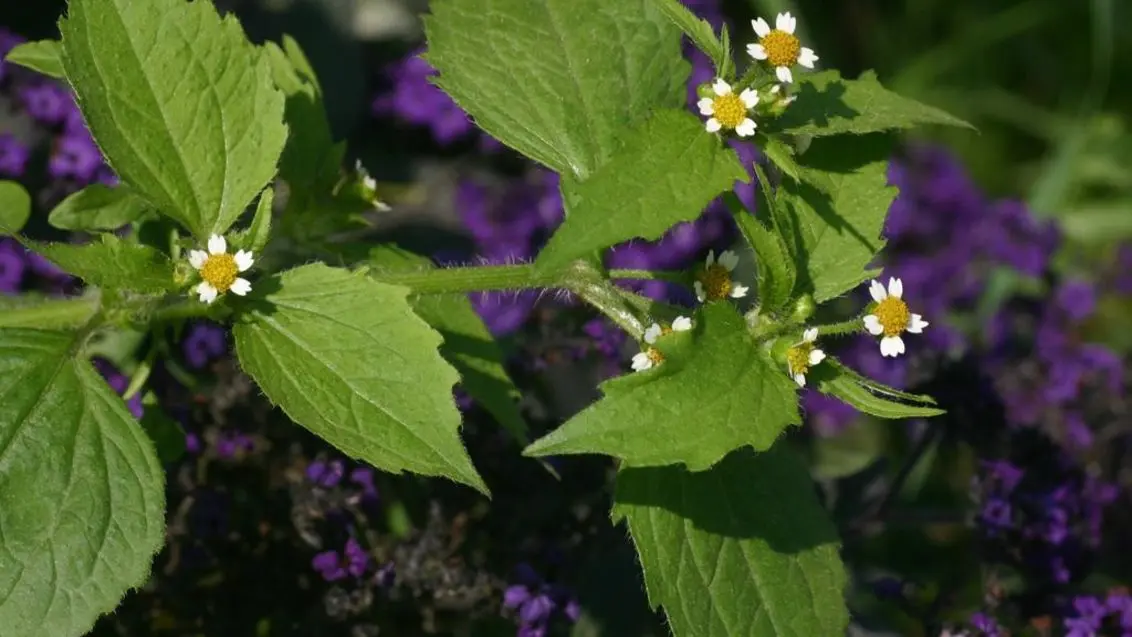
{"x": 244, "y": 260}
{"x": 641, "y": 362}
{"x": 699, "y": 291}
{"x": 917, "y": 324}
{"x": 895, "y": 287}
{"x": 217, "y": 244}
{"x": 728, "y": 259}
{"x": 369, "y": 183}
{"x": 710, "y": 258}
{"x": 816, "y": 357}
{"x": 807, "y": 57}
{"x": 800, "y": 379}
{"x": 739, "y": 291}
{"x": 891, "y": 346}
{"x": 713, "y": 125}
{"x": 872, "y": 324}
{"x": 707, "y": 106}
{"x": 783, "y": 74}
{"x": 720, "y": 87}
{"x": 681, "y": 324}
{"x": 207, "y": 292}
{"x": 810, "y": 335}
{"x": 877, "y": 291}
{"x": 756, "y": 51}
{"x": 784, "y": 22}
{"x": 750, "y": 97}
{"x": 651, "y": 333}
{"x": 761, "y": 27}
{"x": 197, "y": 258}
{"x": 746, "y": 128}
{"x": 775, "y": 89}
{"x": 240, "y": 287}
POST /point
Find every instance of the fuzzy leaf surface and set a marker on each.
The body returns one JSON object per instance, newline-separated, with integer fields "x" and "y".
{"x": 110, "y": 262}
{"x": 97, "y": 207}
{"x": 727, "y": 394}
{"x": 557, "y": 80}
{"x": 82, "y": 495}
{"x": 179, "y": 101}
{"x": 742, "y": 550}
{"x": 41, "y": 56}
{"x": 346, "y": 357}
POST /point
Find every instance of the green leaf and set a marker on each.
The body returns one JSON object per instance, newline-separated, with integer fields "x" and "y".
{"x": 667, "y": 171}
{"x": 167, "y": 436}
{"x": 781, "y": 155}
{"x": 774, "y": 269}
{"x": 869, "y": 396}
{"x": 35, "y": 310}
{"x": 15, "y": 207}
{"x": 833, "y": 218}
{"x": 830, "y": 105}
{"x": 699, "y": 31}
{"x": 256, "y": 235}
{"x": 82, "y": 496}
{"x": 179, "y": 101}
{"x": 744, "y": 549}
{"x": 726, "y": 394}
{"x": 97, "y": 207}
{"x": 111, "y": 262}
{"x": 41, "y": 56}
{"x": 468, "y": 345}
{"x": 557, "y": 80}
{"x": 346, "y": 357}
{"x": 310, "y": 159}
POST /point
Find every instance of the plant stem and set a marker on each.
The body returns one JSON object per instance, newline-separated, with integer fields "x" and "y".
{"x": 650, "y": 275}
{"x": 844, "y": 327}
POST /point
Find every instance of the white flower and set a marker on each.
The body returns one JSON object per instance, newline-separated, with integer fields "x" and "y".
{"x": 780, "y": 47}
{"x": 891, "y": 317}
{"x": 728, "y": 110}
{"x": 220, "y": 270}
{"x": 651, "y": 357}
{"x": 804, "y": 355}
{"x": 714, "y": 281}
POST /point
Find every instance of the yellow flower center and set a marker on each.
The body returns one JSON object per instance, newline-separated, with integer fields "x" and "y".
{"x": 654, "y": 355}
{"x": 716, "y": 280}
{"x": 798, "y": 358}
{"x": 893, "y": 315}
{"x": 729, "y": 109}
{"x": 220, "y": 271}
{"x": 782, "y": 48}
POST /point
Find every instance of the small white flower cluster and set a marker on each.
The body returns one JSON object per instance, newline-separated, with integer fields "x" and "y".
{"x": 651, "y": 357}
{"x": 779, "y": 48}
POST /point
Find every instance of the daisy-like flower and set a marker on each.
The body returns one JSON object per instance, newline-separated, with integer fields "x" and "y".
{"x": 780, "y": 47}
{"x": 891, "y": 317}
{"x": 714, "y": 281}
{"x": 804, "y": 355}
{"x": 729, "y": 111}
{"x": 651, "y": 357}
{"x": 220, "y": 271}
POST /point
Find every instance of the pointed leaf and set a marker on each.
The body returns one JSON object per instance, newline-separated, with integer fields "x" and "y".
{"x": 727, "y": 394}
{"x": 699, "y": 31}
{"x": 346, "y": 357}
{"x": 82, "y": 495}
{"x": 468, "y": 345}
{"x": 41, "y": 56}
{"x": 97, "y": 207}
{"x": 255, "y": 236}
{"x": 557, "y": 80}
{"x": 180, "y": 102}
{"x": 666, "y": 172}
{"x": 832, "y": 219}
{"x": 742, "y": 550}
{"x": 15, "y": 207}
{"x": 869, "y": 396}
{"x": 830, "y": 105}
{"x": 110, "y": 262}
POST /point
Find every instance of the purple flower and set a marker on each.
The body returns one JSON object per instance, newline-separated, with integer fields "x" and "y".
{"x": 826, "y": 414}
{"x": 75, "y": 157}
{"x": 334, "y": 566}
{"x": 987, "y": 624}
{"x": 1076, "y": 299}
{"x": 232, "y": 444}
{"x": 13, "y": 156}
{"x": 326, "y": 474}
{"x": 47, "y": 102}
{"x": 537, "y": 609}
{"x": 515, "y": 596}
{"x": 11, "y": 266}
{"x": 363, "y": 477}
{"x": 119, "y": 383}
{"x": 414, "y": 99}
{"x": 204, "y": 343}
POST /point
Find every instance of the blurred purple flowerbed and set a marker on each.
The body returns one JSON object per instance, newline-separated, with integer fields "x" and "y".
{"x": 1009, "y": 515}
